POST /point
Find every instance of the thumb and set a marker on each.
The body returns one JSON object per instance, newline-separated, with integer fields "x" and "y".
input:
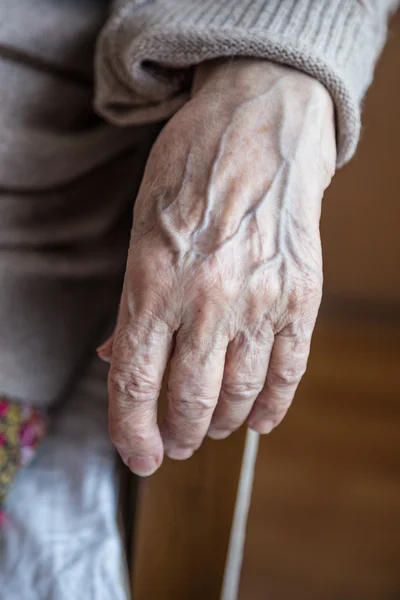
{"x": 105, "y": 350}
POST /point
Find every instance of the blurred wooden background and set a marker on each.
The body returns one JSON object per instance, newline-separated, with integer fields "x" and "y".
{"x": 361, "y": 215}
{"x": 325, "y": 517}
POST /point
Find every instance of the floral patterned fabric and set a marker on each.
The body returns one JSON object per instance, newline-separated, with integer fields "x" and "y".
{"x": 22, "y": 427}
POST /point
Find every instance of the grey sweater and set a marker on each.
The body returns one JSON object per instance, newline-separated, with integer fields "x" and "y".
{"x": 147, "y": 48}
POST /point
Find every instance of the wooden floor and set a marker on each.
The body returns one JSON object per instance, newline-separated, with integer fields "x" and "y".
{"x": 325, "y": 516}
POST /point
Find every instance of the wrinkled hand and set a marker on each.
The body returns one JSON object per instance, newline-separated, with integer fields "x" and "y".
{"x": 224, "y": 273}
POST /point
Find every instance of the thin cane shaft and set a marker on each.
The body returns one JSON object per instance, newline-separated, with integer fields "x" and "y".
{"x": 233, "y": 567}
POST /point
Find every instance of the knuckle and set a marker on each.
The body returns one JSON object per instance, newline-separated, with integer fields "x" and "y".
{"x": 313, "y": 291}
{"x": 313, "y": 298}
{"x": 192, "y": 408}
{"x": 307, "y": 295}
{"x": 284, "y": 378}
{"x": 132, "y": 384}
{"x": 269, "y": 289}
{"x": 241, "y": 390}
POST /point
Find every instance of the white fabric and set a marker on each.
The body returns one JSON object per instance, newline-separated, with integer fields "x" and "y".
{"x": 61, "y": 540}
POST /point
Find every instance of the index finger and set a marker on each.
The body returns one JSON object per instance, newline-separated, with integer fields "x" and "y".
{"x": 141, "y": 349}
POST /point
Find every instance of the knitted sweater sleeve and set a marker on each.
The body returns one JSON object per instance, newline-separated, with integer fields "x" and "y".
{"x": 148, "y": 48}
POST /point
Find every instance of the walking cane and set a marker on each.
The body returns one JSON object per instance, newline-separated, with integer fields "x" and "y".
{"x": 234, "y": 560}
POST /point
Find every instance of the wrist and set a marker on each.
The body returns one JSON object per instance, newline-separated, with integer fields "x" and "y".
{"x": 240, "y": 74}
{"x": 245, "y": 78}
{"x": 224, "y": 85}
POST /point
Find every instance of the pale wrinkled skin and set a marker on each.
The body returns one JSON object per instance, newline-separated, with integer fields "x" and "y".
{"x": 225, "y": 266}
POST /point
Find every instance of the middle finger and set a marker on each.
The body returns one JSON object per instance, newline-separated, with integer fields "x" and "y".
{"x": 194, "y": 384}
{"x": 246, "y": 368}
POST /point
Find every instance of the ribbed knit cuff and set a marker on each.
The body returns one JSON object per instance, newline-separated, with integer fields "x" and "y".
{"x": 146, "y": 49}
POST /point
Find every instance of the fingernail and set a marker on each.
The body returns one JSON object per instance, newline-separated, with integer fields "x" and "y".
{"x": 218, "y": 434}
{"x": 144, "y": 467}
{"x": 262, "y": 427}
{"x": 179, "y": 453}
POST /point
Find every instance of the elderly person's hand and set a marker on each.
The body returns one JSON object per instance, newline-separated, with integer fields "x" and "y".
{"x": 224, "y": 274}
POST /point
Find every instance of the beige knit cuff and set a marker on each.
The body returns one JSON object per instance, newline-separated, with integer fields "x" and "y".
{"x": 147, "y": 48}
